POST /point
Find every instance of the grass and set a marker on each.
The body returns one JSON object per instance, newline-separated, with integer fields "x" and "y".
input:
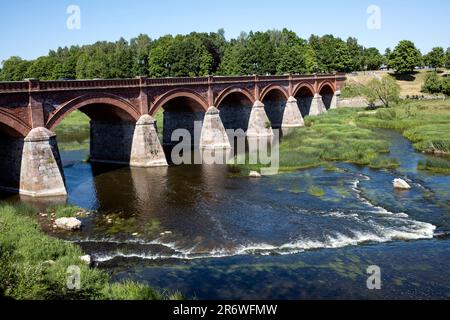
{"x": 425, "y": 123}
{"x": 437, "y": 165}
{"x": 347, "y": 135}
{"x": 33, "y": 265}
{"x": 65, "y": 211}
{"x": 333, "y": 137}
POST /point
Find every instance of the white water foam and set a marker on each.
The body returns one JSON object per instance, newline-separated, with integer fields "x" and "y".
{"x": 409, "y": 230}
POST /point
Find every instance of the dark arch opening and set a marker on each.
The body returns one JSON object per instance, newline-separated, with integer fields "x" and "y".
{"x": 304, "y": 98}
{"x": 101, "y": 131}
{"x": 327, "y": 94}
{"x": 235, "y": 110}
{"x": 181, "y": 113}
{"x": 11, "y": 148}
{"x": 274, "y": 104}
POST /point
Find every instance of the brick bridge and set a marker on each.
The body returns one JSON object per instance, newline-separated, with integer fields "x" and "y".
{"x": 123, "y": 129}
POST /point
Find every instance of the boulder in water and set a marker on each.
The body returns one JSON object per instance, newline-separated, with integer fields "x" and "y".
{"x": 401, "y": 184}
{"x": 254, "y": 174}
{"x": 68, "y": 224}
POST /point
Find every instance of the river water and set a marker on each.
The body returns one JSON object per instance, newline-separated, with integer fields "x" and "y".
{"x": 211, "y": 235}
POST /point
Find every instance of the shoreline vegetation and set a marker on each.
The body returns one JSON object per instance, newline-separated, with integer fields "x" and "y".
{"x": 33, "y": 265}
{"x": 347, "y": 135}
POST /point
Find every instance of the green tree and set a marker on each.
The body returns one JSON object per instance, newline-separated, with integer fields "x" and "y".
{"x": 66, "y": 63}
{"x": 373, "y": 59}
{"x": 260, "y": 53}
{"x": 140, "y": 47}
{"x": 435, "y": 58}
{"x": 356, "y": 51}
{"x": 215, "y": 43}
{"x": 234, "y": 61}
{"x": 182, "y": 56}
{"x": 121, "y": 59}
{"x": 42, "y": 68}
{"x": 385, "y": 89}
{"x": 95, "y": 61}
{"x": 159, "y": 64}
{"x": 14, "y": 69}
{"x": 405, "y": 57}
{"x": 332, "y": 53}
{"x": 296, "y": 59}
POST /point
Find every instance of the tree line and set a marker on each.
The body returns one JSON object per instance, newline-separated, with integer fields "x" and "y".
{"x": 200, "y": 54}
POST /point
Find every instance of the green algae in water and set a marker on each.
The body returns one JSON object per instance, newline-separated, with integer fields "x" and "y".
{"x": 316, "y": 191}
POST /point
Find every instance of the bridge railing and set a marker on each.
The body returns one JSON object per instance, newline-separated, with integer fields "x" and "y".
{"x": 36, "y": 85}
{"x": 14, "y": 86}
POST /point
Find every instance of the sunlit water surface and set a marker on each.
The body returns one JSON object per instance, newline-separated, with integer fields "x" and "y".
{"x": 199, "y": 230}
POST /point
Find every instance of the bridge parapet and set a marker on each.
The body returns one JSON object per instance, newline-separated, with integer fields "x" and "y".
{"x": 56, "y": 85}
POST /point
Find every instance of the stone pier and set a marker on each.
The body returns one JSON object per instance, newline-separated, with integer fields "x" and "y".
{"x": 146, "y": 149}
{"x": 335, "y": 100}
{"x": 213, "y": 135}
{"x": 259, "y": 124}
{"x": 317, "y": 106}
{"x": 41, "y": 173}
{"x": 292, "y": 117}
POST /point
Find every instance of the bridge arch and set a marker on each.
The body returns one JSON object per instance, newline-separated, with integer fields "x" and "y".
{"x": 304, "y": 87}
{"x": 121, "y": 108}
{"x": 12, "y": 134}
{"x": 327, "y": 90}
{"x": 234, "y": 90}
{"x": 13, "y": 127}
{"x": 186, "y": 94}
{"x": 235, "y": 105}
{"x": 271, "y": 89}
{"x": 274, "y": 98}
{"x": 327, "y": 86}
{"x": 304, "y": 93}
{"x": 183, "y": 109}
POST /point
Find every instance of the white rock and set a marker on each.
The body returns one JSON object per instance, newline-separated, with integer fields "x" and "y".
{"x": 135, "y": 234}
{"x": 68, "y": 223}
{"x": 254, "y": 174}
{"x": 401, "y": 184}
{"x": 86, "y": 259}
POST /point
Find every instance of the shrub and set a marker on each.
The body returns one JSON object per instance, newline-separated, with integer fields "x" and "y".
{"x": 386, "y": 90}
{"x": 433, "y": 83}
{"x": 446, "y": 86}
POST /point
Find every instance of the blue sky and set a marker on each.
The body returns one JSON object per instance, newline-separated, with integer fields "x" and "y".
{"x": 29, "y": 28}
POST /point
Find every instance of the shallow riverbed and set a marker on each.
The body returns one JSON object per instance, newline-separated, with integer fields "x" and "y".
{"x": 199, "y": 230}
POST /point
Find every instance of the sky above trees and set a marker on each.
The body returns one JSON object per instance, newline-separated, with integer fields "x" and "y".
{"x": 201, "y": 54}
{"x": 31, "y": 28}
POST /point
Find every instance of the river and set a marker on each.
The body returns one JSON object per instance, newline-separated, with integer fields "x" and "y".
{"x": 211, "y": 235}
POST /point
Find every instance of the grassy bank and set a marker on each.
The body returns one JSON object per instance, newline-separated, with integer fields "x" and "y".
{"x": 425, "y": 123}
{"x": 347, "y": 135}
{"x": 333, "y": 137}
{"x": 34, "y": 265}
